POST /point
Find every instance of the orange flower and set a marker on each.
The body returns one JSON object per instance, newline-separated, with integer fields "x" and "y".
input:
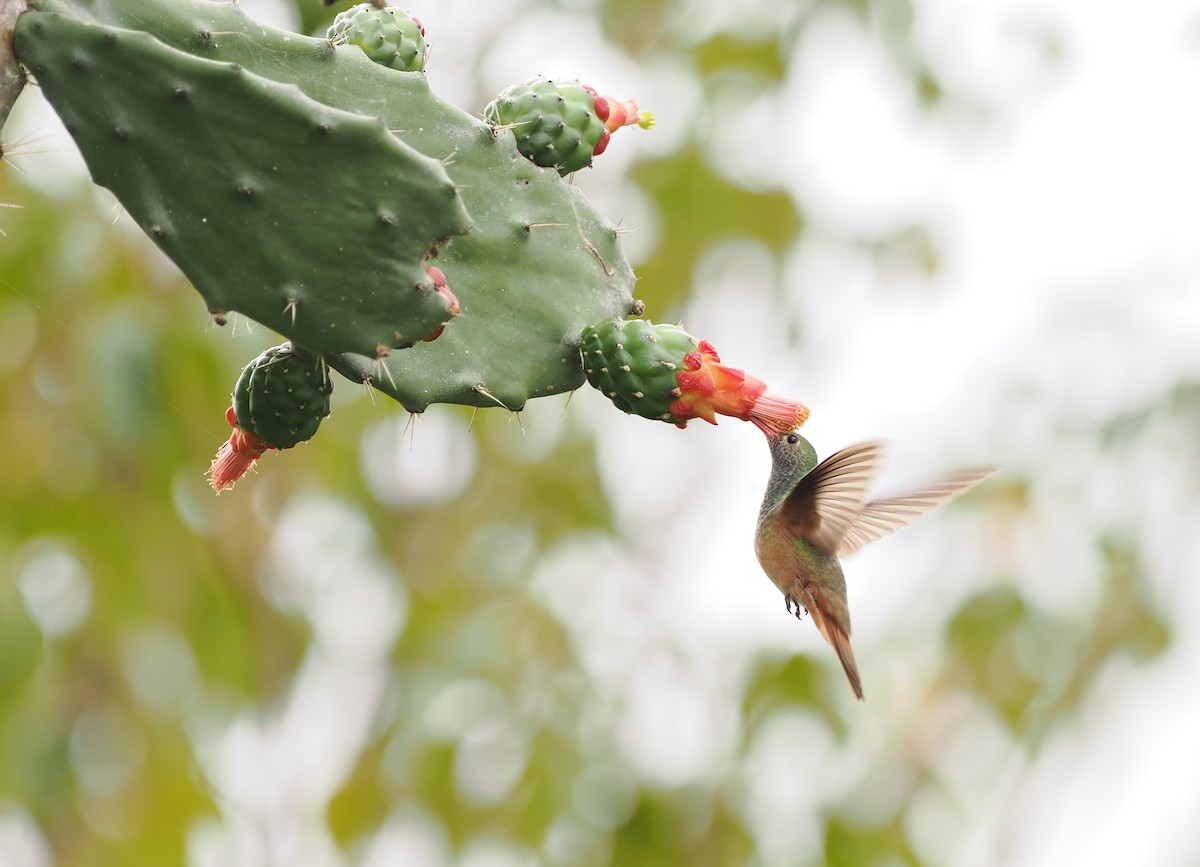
{"x": 235, "y": 458}
{"x": 707, "y": 387}
{"x": 616, "y": 113}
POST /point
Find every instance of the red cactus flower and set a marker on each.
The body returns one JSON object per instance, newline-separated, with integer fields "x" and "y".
{"x": 707, "y": 387}
{"x": 624, "y": 113}
{"x": 615, "y": 114}
{"x": 235, "y": 458}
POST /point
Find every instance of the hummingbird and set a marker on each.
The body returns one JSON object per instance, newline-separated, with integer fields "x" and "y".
{"x": 815, "y": 513}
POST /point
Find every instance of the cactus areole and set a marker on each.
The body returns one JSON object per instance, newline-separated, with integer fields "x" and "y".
{"x": 661, "y": 372}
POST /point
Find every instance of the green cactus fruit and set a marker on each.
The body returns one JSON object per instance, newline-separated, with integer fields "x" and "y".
{"x": 661, "y": 372}
{"x": 634, "y": 363}
{"x": 389, "y": 36}
{"x": 556, "y": 123}
{"x": 282, "y": 396}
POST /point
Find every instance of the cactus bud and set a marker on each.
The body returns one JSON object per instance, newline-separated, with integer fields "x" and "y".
{"x": 279, "y": 401}
{"x": 389, "y": 36}
{"x": 561, "y": 124}
{"x": 661, "y": 372}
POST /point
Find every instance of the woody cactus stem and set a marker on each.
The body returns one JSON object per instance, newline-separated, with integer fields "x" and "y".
{"x": 12, "y": 75}
{"x": 661, "y": 372}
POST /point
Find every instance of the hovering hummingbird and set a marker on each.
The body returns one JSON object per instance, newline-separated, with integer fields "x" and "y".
{"x": 813, "y": 514}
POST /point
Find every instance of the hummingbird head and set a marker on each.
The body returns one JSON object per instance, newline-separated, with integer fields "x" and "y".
{"x": 791, "y": 453}
{"x": 792, "y": 458}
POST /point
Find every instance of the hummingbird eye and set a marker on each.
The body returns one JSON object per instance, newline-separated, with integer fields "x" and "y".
{"x": 793, "y": 439}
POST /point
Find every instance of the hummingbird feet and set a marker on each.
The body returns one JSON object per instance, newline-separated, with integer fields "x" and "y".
{"x": 794, "y": 607}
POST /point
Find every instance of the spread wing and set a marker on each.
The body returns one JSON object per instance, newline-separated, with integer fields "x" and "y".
{"x": 826, "y": 503}
{"x": 881, "y": 517}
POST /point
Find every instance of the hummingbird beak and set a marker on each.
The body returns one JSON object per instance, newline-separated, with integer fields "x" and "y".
{"x": 771, "y": 432}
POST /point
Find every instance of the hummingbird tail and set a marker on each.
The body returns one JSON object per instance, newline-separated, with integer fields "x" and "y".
{"x": 834, "y": 632}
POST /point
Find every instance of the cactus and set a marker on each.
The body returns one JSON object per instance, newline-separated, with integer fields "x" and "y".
{"x": 388, "y": 36}
{"x": 235, "y": 173}
{"x": 12, "y": 76}
{"x": 661, "y": 372}
{"x": 555, "y": 123}
{"x": 282, "y": 396}
{"x": 279, "y": 401}
{"x": 302, "y": 183}
{"x": 537, "y": 264}
{"x": 561, "y": 124}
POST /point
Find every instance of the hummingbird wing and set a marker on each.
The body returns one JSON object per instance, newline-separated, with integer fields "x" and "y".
{"x": 827, "y": 501}
{"x": 879, "y": 518}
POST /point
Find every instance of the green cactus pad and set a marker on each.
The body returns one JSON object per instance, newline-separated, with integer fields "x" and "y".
{"x": 538, "y": 264}
{"x": 388, "y": 36}
{"x": 242, "y": 181}
{"x": 555, "y": 123}
{"x": 635, "y": 364}
{"x": 282, "y": 396}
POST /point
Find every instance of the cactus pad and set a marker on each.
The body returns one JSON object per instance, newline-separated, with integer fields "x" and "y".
{"x": 556, "y": 123}
{"x": 388, "y": 36}
{"x": 661, "y": 372}
{"x": 243, "y": 182}
{"x": 537, "y": 265}
{"x": 282, "y": 396}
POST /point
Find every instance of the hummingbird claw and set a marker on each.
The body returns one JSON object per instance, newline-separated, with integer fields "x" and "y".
{"x": 794, "y": 608}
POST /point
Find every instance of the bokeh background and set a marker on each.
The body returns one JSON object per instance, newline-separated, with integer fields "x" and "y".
{"x": 968, "y": 228}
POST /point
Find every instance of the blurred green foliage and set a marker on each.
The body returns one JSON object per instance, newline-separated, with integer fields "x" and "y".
{"x": 114, "y": 389}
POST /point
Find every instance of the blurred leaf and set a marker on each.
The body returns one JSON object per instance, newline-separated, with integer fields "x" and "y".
{"x": 851, "y": 845}
{"x": 20, "y": 645}
{"x": 362, "y": 804}
{"x": 982, "y": 654}
{"x": 430, "y": 781}
{"x": 545, "y": 789}
{"x": 726, "y": 51}
{"x": 698, "y": 209}
{"x": 683, "y": 826}
{"x": 635, "y": 25}
{"x": 788, "y": 682}
{"x": 1124, "y": 623}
